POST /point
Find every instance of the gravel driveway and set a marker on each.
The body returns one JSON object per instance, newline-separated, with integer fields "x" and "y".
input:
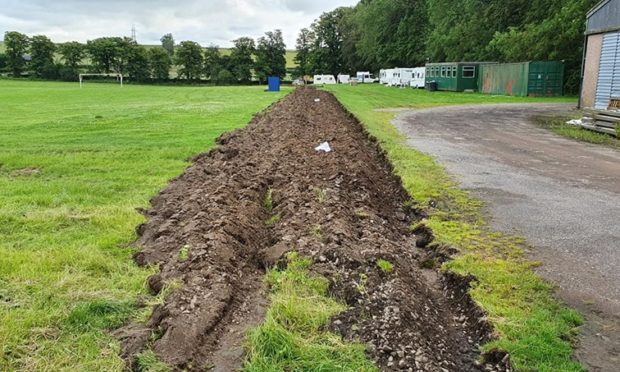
{"x": 562, "y": 195}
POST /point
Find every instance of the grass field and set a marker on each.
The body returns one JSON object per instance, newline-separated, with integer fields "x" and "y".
{"x": 74, "y": 165}
{"x": 532, "y": 326}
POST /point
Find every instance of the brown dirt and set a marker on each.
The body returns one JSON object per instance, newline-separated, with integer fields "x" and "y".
{"x": 345, "y": 209}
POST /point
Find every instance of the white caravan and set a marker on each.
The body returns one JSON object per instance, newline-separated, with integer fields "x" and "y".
{"x": 324, "y": 79}
{"x": 365, "y": 77}
{"x": 385, "y": 75}
{"x": 401, "y": 77}
{"x": 419, "y": 77}
{"x": 344, "y": 79}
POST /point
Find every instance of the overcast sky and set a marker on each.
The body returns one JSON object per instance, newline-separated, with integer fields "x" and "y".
{"x": 205, "y": 21}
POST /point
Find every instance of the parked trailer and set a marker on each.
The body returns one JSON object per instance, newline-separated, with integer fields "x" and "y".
{"x": 418, "y": 78}
{"x": 523, "y": 79}
{"x": 365, "y": 77}
{"x": 385, "y": 75}
{"x": 402, "y": 77}
{"x": 324, "y": 80}
{"x": 455, "y": 76}
{"x": 344, "y": 79}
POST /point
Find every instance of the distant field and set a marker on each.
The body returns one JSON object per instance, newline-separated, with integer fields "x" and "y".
{"x": 290, "y": 54}
{"x": 74, "y": 165}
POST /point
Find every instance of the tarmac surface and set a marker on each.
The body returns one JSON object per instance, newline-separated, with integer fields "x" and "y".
{"x": 563, "y": 196}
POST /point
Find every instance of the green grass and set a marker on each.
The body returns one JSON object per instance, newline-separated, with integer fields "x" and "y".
{"x": 293, "y": 336}
{"x": 558, "y": 125}
{"x": 531, "y": 325}
{"x": 74, "y": 165}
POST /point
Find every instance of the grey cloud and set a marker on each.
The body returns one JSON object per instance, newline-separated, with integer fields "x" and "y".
{"x": 207, "y": 22}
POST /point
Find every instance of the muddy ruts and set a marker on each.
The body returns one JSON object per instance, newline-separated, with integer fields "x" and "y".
{"x": 345, "y": 209}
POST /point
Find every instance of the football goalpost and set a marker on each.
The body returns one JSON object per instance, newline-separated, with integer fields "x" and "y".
{"x": 119, "y": 77}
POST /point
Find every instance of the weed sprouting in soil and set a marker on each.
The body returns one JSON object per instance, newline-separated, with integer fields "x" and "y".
{"x": 361, "y": 214}
{"x": 293, "y": 336}
{"x": 273, "y": 220}
{"x": 268, "y": 202}
{"x": 321, "y": 195}
{"x": 183, "y": 253}
{"x": 317, "y": 232}
{"x": 385, "y": 266}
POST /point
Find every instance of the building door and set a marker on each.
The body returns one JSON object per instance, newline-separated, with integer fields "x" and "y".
{"x": 608, "y": 85}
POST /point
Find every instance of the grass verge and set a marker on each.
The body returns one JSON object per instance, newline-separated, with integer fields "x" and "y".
{"x": 74, "y": 165}
{"x": 293, "y": 336}
{"x": 558, "y": 126}
{"x": 534, "y": 328}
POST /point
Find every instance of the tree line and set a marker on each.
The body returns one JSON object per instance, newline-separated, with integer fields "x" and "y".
{"x": 248, "y": 59}
{"x": 377, "y": 34}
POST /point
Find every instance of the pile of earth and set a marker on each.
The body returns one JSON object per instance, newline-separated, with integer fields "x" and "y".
{"x": 213, "y": 236}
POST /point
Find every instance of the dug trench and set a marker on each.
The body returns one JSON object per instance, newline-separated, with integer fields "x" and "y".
{"x": 265, "y": 191}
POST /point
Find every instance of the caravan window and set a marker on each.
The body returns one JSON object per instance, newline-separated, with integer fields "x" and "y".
{"x": 469, "y": 72}
{"x": 454, "y": 69}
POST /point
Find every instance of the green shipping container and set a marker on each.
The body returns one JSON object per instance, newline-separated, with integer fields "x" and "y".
{"x": 454, "y": 76}
{"x": 523, "y": 79}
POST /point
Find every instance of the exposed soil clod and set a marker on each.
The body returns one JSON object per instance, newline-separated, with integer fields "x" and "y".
{"x": 214, "y": 230}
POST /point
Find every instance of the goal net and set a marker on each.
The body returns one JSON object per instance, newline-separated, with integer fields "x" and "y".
{"x": 118, "y": 77}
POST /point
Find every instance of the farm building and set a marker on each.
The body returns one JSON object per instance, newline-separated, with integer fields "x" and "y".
{"x": 522, "y": 79}
{"x": 600, "y": 88}
{"x": 454, "y": 76}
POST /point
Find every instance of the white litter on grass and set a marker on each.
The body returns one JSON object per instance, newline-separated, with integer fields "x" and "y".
{"x": 574, "y": 122}
{"x": 317, "y": 100}
{"x": 323, "y": 147}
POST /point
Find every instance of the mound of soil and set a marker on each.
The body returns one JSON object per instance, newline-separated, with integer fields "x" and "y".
{"x": 212, "y": 232}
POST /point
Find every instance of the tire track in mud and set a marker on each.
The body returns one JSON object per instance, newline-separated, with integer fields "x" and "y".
{"x": 345, "y": 209}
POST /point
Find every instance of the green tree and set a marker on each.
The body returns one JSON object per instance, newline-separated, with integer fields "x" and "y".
{"x": 160, "y": 62}
{"x": 326, "y": 56}
{"x": 270, "y": 56}
{"x": 167, "y": 42}
{"x": 138, "y": 63}
{"x": 110, "y": 54}
{"x": 72, "y": 54}
{"x": 213, "y": 62}
{"x": 16, "y": 47}
{"x": 224, "y": 77}
{"x": 305, "y": 42}
{"x": 42, "y": 52}
{"x": 189, "y": 58}
{"x": 3, "y": 61}
{"x": 241, "y": 58}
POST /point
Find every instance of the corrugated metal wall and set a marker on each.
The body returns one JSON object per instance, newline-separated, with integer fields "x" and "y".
{"x": 545, "y": 78}
{"x": 608, "y": 84}
{"x": 505, "y": 79}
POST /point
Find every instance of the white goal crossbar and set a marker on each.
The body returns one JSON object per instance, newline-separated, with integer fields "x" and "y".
{"x": 117, "y": 76}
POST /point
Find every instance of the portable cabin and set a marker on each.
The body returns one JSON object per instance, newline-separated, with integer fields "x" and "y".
{"x": 600, "y": 86}
{"x": 344, "y": 79}
{"x": 324, "y": 80}
{"x": 386, "y": 75}
{"x": 454, "y": 76}
{"x": 544, "y": 78}
{"x": 365, "y": 77}
{"x": 418, "y": 78}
